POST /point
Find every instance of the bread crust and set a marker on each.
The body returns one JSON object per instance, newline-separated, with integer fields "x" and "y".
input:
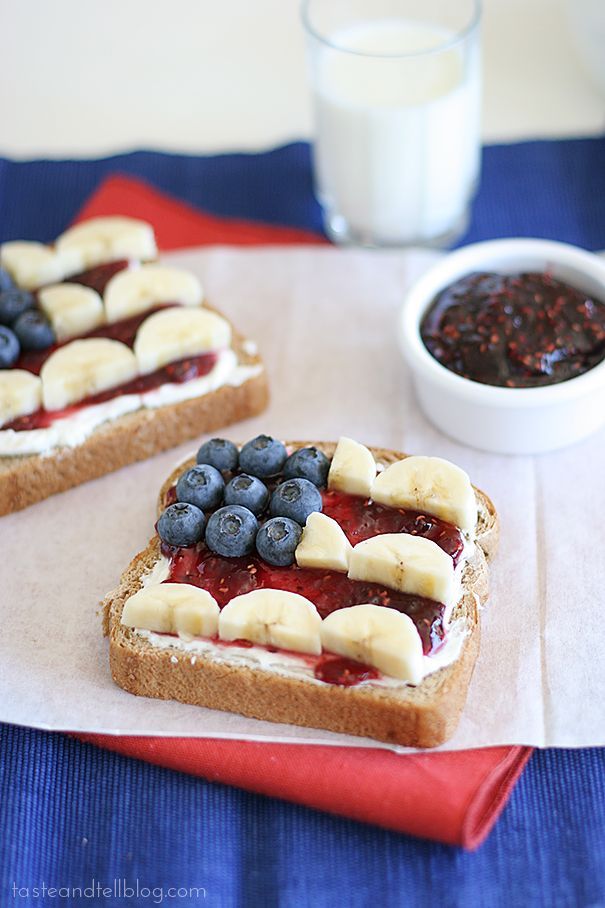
{"x": 27, "y": 479}
{"x": 422, "y": 716}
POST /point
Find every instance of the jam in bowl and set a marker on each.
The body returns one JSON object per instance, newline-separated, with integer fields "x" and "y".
{"x": 505, "y": 341}
{"x": 523, "y": 330}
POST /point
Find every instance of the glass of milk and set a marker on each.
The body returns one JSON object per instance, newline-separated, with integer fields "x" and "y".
{"x": 396, "y": 91}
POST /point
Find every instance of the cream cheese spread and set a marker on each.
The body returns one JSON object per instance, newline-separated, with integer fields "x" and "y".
{"x": 292, "y": 666}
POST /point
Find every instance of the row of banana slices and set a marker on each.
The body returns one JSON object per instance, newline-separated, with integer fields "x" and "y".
{"x": 82, "y": 368}
{"x": 373, "y": 634}
{"x": 74, "y": 309}
{"x": 94, "y": 242}
{"x": 399, "y": 561}
{"x": 429, "y": 484}
{"x": 90, "y": 366}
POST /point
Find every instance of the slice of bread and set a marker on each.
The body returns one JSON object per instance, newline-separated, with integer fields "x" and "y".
{"x": 29, "y": 478}
{"x": 422, "y": 716}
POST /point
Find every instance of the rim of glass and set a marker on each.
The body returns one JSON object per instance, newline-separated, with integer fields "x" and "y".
{"x": 456, "y": 38}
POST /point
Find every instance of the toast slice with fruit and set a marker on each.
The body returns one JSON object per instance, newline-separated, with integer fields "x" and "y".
{"x": 317, "y": 584}
{"x": 108, "y": 357}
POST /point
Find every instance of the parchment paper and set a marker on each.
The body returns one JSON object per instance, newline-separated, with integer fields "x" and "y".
{"x": 325, "y": 321}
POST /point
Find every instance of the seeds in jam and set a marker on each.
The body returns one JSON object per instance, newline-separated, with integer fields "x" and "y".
{"x": 515, "y": 330}
{"x": 361, "y": 519}
{"x": 345, "y": 672}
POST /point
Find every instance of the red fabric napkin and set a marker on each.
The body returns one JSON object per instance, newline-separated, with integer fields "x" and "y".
{"x": 178, "y": 225}
{"x": 451, "y": 797}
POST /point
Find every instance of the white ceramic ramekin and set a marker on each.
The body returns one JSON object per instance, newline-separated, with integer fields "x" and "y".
{"x": 505, "y": 420}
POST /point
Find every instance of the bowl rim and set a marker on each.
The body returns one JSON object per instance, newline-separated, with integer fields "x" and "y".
{"x": 477, "y": 257}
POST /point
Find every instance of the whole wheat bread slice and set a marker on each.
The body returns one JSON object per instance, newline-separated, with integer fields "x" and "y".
{"x": 422, "y": 716}
{"x": 29, "y": 478}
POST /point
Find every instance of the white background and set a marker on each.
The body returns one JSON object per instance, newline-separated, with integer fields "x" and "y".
{"x": 87, "y": 77}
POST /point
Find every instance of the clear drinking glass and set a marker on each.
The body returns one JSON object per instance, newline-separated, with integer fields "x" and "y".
{"x": 396, "y": 90}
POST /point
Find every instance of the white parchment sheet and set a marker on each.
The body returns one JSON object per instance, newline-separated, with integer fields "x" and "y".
{"x": 325, "y": 322}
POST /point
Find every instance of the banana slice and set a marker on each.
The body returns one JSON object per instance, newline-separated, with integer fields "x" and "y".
{"x": 138, "y": 289}
{"x": 429, "y": 484}
{"x": 323, "y": 544}
{"x": 20, "y": 394}
{"x": 173, "y": 334}
{"x": 378, "y": 636}
{"x": 31, "y": 264}
{"x": 172, "y": 608}
{"x": 72, "y": 309}
{"x": 410, "y": 564}
{"x": 108, "y": 239}
{"x": 85, "y": 367}
{"x": 353, "y": 468}
{"x": 273, "y": 618}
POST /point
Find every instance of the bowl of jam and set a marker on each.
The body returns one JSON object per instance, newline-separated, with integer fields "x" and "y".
{"x": 506, "y": 344}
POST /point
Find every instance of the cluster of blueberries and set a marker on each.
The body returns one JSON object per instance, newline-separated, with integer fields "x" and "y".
{"x": 22, "y": 325}
{"x": 233, "y": 529}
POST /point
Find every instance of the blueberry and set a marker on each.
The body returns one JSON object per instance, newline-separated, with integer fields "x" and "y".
{"x": 231, "y": 531}
{"x": 277, "y": 539}
{"x": 219, "y": 453}
{"x": 263, "y": 456}
{"x": 9, "y": 348}
{"x": 34, "y": 330}
{"x": 181, "y": 524}
{"x": 6, "y": 281}
{"x": 248, "y": 491}
{"x": 308, "y": 463}
{"x": 202, "y": 486}
{"x": 296, "y": 499}
{"x": 13, "y": 303}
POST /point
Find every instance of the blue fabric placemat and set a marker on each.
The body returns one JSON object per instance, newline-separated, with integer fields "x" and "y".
{"x": 75, "y": 816}
{"x": 548, "y": 189}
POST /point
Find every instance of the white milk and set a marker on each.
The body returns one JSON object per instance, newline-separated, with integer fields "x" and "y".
{"x": 397, "y": 144}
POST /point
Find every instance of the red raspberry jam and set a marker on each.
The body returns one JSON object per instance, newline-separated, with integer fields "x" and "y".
{"x": 346, "y": 672}
{"x": 173, "y": 373}
{"x": 98, "y": 277}
{"x": 515, "y": 330}
{"x": 328, "y": 667}
{"x": 225, "y": 578}
{"x": 124, "y": 330}
{"x": 361, "y": 519}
